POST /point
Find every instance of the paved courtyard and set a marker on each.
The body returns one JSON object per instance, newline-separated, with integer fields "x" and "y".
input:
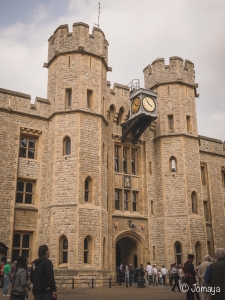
{"x": 115, "y": 293}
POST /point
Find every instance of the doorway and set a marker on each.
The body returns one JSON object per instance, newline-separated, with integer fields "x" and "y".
{"x": 126, "y": 251}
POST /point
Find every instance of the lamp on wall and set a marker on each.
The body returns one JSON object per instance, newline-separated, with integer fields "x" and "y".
{"x": 131, "y": 225}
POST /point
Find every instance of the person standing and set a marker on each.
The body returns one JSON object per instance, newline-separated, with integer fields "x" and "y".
{"x": 149, "y": 271}
{"x": 190, "y": 280}
{"x": 42, "y": 276}
{"x": 142, "y": 271}
{"x": 201, "y": 273}
{"x": 215, "y": 275}
{"x": 2, "y": 271}
{"x": 20, "y": 281}
{"x": 175, "y": 277}
{"x": 164, "y": 271}
{"x": 127, "y": 273}
{"x": 154, "y": 273}
{"x": 7, "y": 277}
{"x": 131, "y": 272}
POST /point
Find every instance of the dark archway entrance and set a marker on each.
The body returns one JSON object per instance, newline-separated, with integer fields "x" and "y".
{"x": 126, "y": 251}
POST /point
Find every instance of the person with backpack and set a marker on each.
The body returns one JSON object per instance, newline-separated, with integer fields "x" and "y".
{"x": 20, "y": 282}
{"x": 42, "y": 276}
{"x": 131, "y": 274}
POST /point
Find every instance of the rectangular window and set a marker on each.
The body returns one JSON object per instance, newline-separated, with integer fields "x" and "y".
{"x": 150, "y": 168}
{"x": 126, "y": 200}
{"x": 152, "y": 208}
{"x": 134, "y": 201}
{"x": 170, "y": 122}
{"x": 69, "y": 61}
{"x": 203, "y": 175}
{"x": 117, "y": 159}
{"x": 89, "y": 98}
{"x": 68, "y": 97}
{"x": 134, "y": 161}
{"x": 188, "y": 120}
{"x": 25, "y": 192}
{"x": 153, "y": 252}
{"x": 117, "y": 199}
{"x": 125, "y": 151}
{"x": 27, "y": 147}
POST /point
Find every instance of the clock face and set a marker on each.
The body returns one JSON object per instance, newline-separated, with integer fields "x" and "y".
{"x": 149, "y": 104}
{"x": 135, "y": 105}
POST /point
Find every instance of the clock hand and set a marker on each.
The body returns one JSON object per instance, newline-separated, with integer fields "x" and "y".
{"x": 149, "y": 103}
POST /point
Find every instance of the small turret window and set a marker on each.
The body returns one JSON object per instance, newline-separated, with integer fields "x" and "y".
{"x": 173, "y": 164}
{"x": 68, "y": 97}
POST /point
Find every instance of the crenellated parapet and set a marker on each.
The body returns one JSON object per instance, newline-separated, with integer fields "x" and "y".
{"x": 78, "y": 41}
{"x": 178, "y": 71}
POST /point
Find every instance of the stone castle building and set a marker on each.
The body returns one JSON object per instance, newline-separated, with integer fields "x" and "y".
{"x": 63, "y": 166}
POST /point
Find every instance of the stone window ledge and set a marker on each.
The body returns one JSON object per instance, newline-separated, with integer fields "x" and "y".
{"x": 25, "y": 207}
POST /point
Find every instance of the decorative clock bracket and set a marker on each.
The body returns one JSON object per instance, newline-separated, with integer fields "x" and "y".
{"x": 136, "y": 126}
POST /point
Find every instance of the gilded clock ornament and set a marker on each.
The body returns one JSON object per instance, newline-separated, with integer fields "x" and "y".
{"x": 148, "y": 104}
{"x": 135, "y": 105}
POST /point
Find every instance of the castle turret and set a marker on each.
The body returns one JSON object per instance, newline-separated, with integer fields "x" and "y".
{"x": 175, "y": 84}
{"x": 77, "y": 67}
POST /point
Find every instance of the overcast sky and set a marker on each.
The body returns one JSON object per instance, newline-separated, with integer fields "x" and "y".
{"x": 138, "y": 32}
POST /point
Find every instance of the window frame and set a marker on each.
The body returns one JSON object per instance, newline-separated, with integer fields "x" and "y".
{"x": 178, "y": 254}
{"x": 170, "y": 117}
{"x": 68, "y": 97}
{"x": 63, "y": 250}
{"x": 117, "y": 199}
{"x": 172, "y": 158}
{"x": 188, "y": 123}
{"x": 27, "y": 148}
{"x": 194, "y": 203}
{"x": 88, "y": 189}
{"x": 65, "y": 141}
{"x": 24, "y": 192}
{"x": 21, "y": 248}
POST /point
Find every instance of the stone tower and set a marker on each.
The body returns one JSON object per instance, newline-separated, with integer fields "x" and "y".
{"x": 178, "y": 181}
{"x": 75, "y": 203}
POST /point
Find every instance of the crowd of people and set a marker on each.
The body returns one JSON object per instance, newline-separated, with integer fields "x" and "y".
{"x": 40, "y": 275}
{"x": 206, "y": 279}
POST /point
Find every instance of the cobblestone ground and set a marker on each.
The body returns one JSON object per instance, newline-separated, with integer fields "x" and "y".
{"x": 115, "y": 293}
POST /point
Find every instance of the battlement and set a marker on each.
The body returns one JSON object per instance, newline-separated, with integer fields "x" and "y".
{"x": 177, "y": 71}
{"x": 79, "y": 40}
{"x": 16, "y": 102}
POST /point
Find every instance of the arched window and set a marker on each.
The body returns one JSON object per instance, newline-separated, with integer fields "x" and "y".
{"x": 198, "y": 252}
{"x": 120, "y": 116}
{"x": 194, "y": 203}
{"x": 88, "y": 189}
{"x": 87, "y": 249}
{"x": 178, "y": 252}
{"x": 111, "y": 112}
{"x": 173, "y": 164}
{"x": 63, "y": 250}
{"x": 67, "y": 146}
{"x": 21, "y": 245}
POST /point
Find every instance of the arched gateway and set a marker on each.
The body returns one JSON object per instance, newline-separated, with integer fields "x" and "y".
{"x": 129, "y": 248}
